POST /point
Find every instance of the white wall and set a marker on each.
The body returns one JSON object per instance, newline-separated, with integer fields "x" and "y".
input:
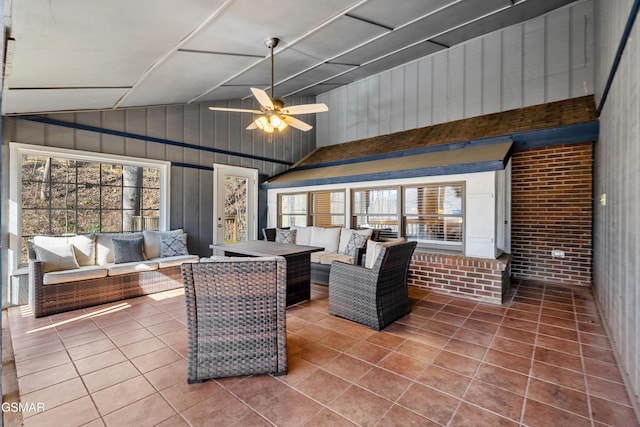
{"x": 616, "y": 270}
{"x": 480, "y": 219}
{"x": 549, "y": 58}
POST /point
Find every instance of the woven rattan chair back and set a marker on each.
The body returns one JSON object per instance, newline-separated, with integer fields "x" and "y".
{"x": 373, "y": 297}
{"x": 236, "y": 319}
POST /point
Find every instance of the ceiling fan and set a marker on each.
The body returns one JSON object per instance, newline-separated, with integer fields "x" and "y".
{"x": 274, "y": 116}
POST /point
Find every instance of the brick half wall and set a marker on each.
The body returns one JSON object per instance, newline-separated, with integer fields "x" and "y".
{"x": 552, "y": 209}
{"x": 472, "y": 278}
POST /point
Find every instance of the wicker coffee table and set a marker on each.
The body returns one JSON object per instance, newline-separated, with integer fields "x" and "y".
{"x": 298, "y": 263}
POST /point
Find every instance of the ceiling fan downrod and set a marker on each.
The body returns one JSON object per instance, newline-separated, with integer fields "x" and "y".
{"x": 271, "y": 44}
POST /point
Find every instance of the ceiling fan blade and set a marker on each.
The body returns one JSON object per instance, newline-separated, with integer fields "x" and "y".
{"x": 305, "y": 109}
{"x": 262, "y": 97}
{"x": 252, "y": 126}
{"x": 296, "y": 123}
{"x": 236, "y": 110}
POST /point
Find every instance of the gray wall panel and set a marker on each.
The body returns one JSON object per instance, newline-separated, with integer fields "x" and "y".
{"x": 511, "y": 68}
{"x": 617, "y": 174}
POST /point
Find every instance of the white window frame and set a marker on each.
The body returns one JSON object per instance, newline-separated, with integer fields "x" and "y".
{"x": 18, "y": 150}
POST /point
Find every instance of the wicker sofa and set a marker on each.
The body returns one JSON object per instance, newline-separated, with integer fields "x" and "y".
{"x": 334, "y": 240}
{"x": 71, "y": 272}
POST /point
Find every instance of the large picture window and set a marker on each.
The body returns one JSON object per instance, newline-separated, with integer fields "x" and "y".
{"x": 433, "y": 214}
{"x": 377, "y": 208}
{"x": 62, "y": 193}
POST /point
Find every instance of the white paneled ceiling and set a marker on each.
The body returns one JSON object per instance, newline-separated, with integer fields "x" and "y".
{"x": 70, "y": 55}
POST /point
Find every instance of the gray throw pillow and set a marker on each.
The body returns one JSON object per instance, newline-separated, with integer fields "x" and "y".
{"x": 128, "y": 250}
{"x": 173, "y": 245}
{"x": 356, "y": 241}
{"x": 286, "y": 236}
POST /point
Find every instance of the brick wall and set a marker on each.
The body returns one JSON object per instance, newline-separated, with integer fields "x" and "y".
{"x": 474, "y": 278}
{"x": 552, "y": 209}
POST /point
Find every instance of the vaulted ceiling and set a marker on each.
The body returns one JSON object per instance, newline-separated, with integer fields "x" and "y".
{"x": 70, "y": 55}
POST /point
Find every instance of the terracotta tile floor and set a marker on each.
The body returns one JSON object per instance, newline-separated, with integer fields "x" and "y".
{"x": 542, "y": 359}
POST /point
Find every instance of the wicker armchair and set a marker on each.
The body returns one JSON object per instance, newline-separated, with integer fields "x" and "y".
{"x": 236, "y": 317}
{"x": 373, "y": 297}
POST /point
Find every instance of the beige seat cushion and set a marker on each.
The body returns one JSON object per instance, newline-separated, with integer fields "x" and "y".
{"x": 175, "y": 260}
{"x": 83, "y": 273}
{"x": 329, "y": 258}
{"x": 303, "y": 235}
{"x": 131, "y": 267}
{"x": 316, "y": 256}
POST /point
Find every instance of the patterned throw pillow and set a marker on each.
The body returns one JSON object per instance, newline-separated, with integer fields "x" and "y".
{"x": 286, "y": 236}
{"x": 127, "y": 250}
{"x": 173, "y": 245}
{"x": 356, "y": 241}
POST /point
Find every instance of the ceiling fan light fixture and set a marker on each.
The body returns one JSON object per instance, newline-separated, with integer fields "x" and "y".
{"x": 277, "y": 122}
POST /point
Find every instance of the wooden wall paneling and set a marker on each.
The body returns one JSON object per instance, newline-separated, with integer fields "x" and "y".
{"x": 558, "y": 55}
{"x": 157, "y": 128}
{"x": 59, "y": 136}
{"x": 206, "y": 135}
{"x": 386, "y": 104}
{"x": 455, "y": 83}
{"x": 111, "y": 144}
{"x": 425, "y": 92}
{"x": 235, "y": 134}
{"x": 397, "y": 100}
{"x": 473, "y": 73}
{"x": 410, "y": 96}
{"x": 512, "y": 68}
{"x": 372, "y": 111}
{"x": 492, "y": 73}
{"x": 534, "y": 65}
{"x": 175, "y": 132}
{"x": 440, "y": 89}
{"x": 362, "y": 107}
{"x": 221, "y": 134}
{"x": 176, "y": 205}
{"x": 205, "y": 206}
{"x": 191, "y": 210}
{"x": 582, "y": 50}
{"x": 27, "y": 132}
{"x": 90, "y": 140}
{"x": 352, "y": 110}
{"x": 135, "y": 121}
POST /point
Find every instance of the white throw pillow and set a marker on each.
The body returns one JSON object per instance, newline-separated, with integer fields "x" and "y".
{"x": 84, "y": 246}
{"x": 56, "y": 257}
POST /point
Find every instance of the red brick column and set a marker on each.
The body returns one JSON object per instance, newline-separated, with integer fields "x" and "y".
{"x": 552, "y": 208}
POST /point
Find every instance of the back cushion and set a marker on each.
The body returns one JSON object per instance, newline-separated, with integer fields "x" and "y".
{"x": 327, "y": 238}
{"x": 104, "y": 246}
{"x": 303, "y": 235}
{"x": 152, "y": 241}
{"x": 84, "y": 246}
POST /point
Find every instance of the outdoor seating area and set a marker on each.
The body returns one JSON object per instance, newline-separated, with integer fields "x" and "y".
{"x": 541, "y": 359}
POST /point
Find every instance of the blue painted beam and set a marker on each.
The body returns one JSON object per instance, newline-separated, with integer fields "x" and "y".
{"x": 78, "y": 126}
{"x": 192, "y": 166}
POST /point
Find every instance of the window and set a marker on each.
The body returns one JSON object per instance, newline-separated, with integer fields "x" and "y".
{"x": 328, "y": 208}
{"x": 65, "y": 192}
{"x": 292, "y": 210}
{"x": 433, "y": 215}
{"x": 377, "y": 208}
